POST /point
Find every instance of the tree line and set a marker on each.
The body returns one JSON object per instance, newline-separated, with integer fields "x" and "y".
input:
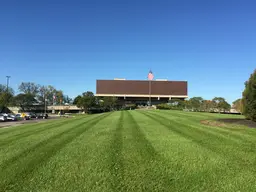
{"x": 35, "y": 94}
{"x": 198, "y": 104}
{"x": 90, "y": 103}
{"x": 31, "y": 94}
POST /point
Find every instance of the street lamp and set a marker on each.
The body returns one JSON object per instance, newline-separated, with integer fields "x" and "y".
{"x": 7, "y": 84}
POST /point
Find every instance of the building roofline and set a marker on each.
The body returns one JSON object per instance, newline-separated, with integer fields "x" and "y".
{"x": 141, "y": 80}
{"x": 140, "y": 95}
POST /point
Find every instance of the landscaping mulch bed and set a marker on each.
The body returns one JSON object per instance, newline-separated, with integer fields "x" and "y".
{"x": 225, "y": 122}
{"x": 244, "y": 122}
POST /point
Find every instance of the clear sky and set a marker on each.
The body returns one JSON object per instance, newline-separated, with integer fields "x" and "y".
{"x": 70, "y": 44}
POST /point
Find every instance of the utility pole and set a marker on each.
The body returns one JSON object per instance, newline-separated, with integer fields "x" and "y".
{"x": 7, "y": 84}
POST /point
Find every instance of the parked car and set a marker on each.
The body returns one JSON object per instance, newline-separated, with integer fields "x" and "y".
{"x": 23, "y": 116}
{"x": 31, "y": 115}
{"x": 4, "y": 114}
{"x": 18, "y": 116}
{"x": 12, "y": 117}
{"x": 42, "y": 115}
{"x": 3, "y": 117}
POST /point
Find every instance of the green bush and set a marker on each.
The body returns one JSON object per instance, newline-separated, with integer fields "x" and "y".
{"x": 165, "y": 106}
{"x": 95, "y": 110}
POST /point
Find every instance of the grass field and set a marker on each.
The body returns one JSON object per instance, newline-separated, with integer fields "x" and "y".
{"x": 128, "y": 151}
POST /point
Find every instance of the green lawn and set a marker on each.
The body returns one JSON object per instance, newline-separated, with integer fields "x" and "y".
{"x": 128, "y": 151}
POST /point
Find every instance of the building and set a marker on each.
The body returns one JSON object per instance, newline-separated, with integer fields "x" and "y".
{"x": 142, "y": 92}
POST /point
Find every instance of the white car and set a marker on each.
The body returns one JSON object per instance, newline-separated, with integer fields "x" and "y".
{"x": 3, "y": 117}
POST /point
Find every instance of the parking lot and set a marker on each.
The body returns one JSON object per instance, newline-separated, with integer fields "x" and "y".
{"x": 21, "y": 122}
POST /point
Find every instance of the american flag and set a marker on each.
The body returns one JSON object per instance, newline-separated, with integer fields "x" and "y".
{"x": 150, "y": 75}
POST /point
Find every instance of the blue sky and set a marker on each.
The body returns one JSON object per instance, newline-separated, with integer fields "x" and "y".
{"x": 70, "y": 44}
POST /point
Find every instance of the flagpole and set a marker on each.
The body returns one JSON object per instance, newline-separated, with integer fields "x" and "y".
{"x": 150, "y": 77}
{"x": 149, "y": 92}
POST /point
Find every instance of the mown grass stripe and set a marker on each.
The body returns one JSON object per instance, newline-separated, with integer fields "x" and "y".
{"x": 159, "y": 151}
{"x": 42, "y": 152}
{"x": 201, "y": 114}
{"x": 43, "y": 142}
{"x": 190, "y": 117}
{"x": 25, "y": 126}
{"x": 181, "y": 129}
{"x": 12, "y": 139}
{"x": 116, "y": 158}
{"x": 143, "y": 145}
{"x": 177, "y": 155}
{"x": 147, "y": 157}
{"x": 195, "y": 131}
{"x": 196, "y": 136}
{"x": 225, "y": 134}
{"x": 25, "y": 143}
{"x": 22, "y": 129}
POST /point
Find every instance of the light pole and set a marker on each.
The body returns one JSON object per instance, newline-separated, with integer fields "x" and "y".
{"x": 7, "y": 83}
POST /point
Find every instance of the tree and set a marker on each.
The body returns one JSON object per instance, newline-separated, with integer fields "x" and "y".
{"x": 109, "y": 103}
{"x": 50, "y": 92}
{"x": 207, "y": 105}
{"x": 46, "y": 95}
{"x": 187, "y": 104}
{"x": 196, "y": 103}
{"x": 221, "y": 104}
{"x": 225, "y": 106}
{"x": 176, "y": 104}
{"x": 76, "y": 100}
{"x": 29, "y": 88}
{"x": 5, "y": 96}
{"x": 2, "y": 88}
{"x": 24, "y": 101}
{"x": 249, "y": 97}
{"x": 86, "y": 101}
{"x": 67, "y": 99}
{"x": 42, "y": 94}
{"x": 238, "y": 105}
{"x": 59, "y": 97}
{"x": 216, "y": 102}
{"x": 5, "y": 99}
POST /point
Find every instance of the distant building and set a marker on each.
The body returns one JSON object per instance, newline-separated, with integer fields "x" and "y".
{"x": 140, "y": 92}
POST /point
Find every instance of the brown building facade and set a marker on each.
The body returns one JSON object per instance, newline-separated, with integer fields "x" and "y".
{"x": 142, "y": 91}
